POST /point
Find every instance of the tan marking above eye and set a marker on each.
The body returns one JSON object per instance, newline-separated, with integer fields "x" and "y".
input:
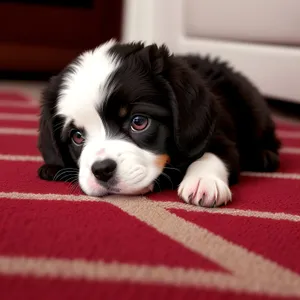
{"x": 123, "y": 112}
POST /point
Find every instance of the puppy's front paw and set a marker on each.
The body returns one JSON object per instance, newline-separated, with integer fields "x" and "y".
{"x": 204, "y": 191}
{"x": 48, "y": 172}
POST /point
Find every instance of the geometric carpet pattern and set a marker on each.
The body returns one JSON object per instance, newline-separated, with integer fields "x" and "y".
{"x": 57, "y": 243}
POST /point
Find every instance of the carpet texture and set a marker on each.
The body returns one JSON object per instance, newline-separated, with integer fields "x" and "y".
{"x": 56, "y": 243}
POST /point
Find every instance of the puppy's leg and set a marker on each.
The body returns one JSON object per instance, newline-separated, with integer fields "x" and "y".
{"x": 206, "y": 182}
{"x": 56, "y": 173}
{"x": 48, "y": 172}
{"x": 263, "y": 156}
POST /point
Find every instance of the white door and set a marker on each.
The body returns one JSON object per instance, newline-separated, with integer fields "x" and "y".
{"x": 259, "y": 38}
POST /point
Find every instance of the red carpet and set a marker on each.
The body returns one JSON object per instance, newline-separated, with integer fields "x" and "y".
{"x": 56, "y": 243}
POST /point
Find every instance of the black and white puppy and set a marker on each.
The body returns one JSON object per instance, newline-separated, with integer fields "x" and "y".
{"x": 132, "y": 119}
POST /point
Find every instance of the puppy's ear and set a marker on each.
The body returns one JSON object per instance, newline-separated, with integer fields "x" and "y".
{"x": 156, "y": 58}
{"x": 48, "y": 141}
{"x": 193, "y": 107}
{"x": 191, "y": 102}
{"x": 125, "y": 50}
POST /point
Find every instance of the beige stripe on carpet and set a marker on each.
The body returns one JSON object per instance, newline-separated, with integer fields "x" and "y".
{"x": 250, "y": 269}
{"x": 252, "y": 272}
{"x": 103, "y": 271}
{"x": 163, "y": 204}
{"x": 288, "y": 134}
{"x": 28, "y": 158}
{"x": 18, "y": 104}
{"x": 18, "y": 117}
{"x": 290, "y": 150}
{"x": 115, "y": 271}
{"x": 18, "y": 131}
{"x": 232, "y": 211}
{"x": 280, "y": 175}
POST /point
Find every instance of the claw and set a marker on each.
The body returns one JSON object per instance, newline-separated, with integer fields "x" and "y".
{"x": 191, "y": 196}
{"x": 205, "y": 192}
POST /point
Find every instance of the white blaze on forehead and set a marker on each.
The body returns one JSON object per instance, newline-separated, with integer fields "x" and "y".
{"x": 84, "y": 89}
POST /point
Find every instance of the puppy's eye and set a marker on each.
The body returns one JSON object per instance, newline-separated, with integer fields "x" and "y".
{"x": 139, "y": 123}
{"x": 77, "y": 137}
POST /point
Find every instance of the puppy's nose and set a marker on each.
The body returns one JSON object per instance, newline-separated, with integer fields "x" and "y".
{"x": 104, "y": 169}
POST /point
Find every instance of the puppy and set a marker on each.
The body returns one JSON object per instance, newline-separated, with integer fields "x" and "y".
{"x": 131, "y": 119}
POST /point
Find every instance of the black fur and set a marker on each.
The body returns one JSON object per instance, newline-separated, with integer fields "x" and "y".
{"x": 197, "y": 105}
{"x": 54, "y": 149}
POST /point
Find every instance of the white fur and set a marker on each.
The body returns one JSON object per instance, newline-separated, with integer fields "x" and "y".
{"x": 136, "y": 168}
{"x": 84, "y": 91}
{"x": 206, "y": 182}
{"x": 85, "y": 88}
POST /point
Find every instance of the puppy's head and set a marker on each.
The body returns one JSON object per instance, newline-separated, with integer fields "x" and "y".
{"x": 120, "y": 113}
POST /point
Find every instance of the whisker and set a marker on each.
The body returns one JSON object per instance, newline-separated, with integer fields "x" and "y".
{"x": 73, "y": 185}
{"x": 175, "y": 169}
{"x": 63, "y": 172}
{"x": 56, "y": 176}
{"x": 61, "y": 175}
{"x": 70, "y": 169}
{"x": 73, "y": 180}
{"x": 68, "y": 177}
{"x": 76, "y": 187}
